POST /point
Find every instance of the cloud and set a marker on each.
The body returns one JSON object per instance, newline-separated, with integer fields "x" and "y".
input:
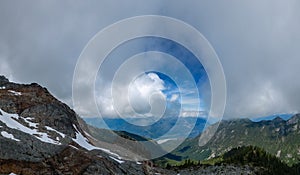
{"x": 174, "y": 97}
{"x": 143, "y": 93}
{"x": 193, "y": 114}
{"x": 258, "y": 44}
{"x": 145, "y": 88}
{"x": 42, "y": 42}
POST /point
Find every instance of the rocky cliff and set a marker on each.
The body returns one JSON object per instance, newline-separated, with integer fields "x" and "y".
{"x": 41, "y": 135}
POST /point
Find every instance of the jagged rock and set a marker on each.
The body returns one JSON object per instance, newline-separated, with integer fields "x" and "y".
{"x": 53, "y": 115}
{"x": 3, "y": 79}
{"x": 45, "y": 144}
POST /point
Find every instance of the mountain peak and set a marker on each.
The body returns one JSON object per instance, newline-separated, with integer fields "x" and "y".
{"x": 278, "y": 119}
{"x": 294, "y": 119}
{"x": 34, "y": 101}
{"x": 3, "y": 79}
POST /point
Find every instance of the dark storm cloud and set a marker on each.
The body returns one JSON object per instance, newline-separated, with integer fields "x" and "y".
{"x": 258, "y": 43}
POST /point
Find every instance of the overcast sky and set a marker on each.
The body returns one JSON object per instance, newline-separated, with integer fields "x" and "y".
{"x": 258, "y": 43}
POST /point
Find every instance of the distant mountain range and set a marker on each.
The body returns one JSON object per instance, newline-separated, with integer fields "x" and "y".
{"x": 271, "y": 117}
{"x": 196, "y": 125}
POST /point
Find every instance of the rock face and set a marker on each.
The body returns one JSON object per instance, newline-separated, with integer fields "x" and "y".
{"x": 3, "y": 79}
{"x": 36, "y": 102}
{"x": 41, "y": 135}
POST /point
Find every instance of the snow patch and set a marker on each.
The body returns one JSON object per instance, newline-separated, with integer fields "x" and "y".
{"x": 213, "y": 155}
{"x": 83, "y": 142}
{"x": 30, "y": 123}
{"x": 73, "y": 147}
{"x": 9, "y": 120}
{"x": 51, "y": 129}
{"x": 15, "y": 93}
{"x": 278, "y": 153}
{"x": 9, "y": 136}
{"x": 164, "y": 140}
{"x": 117, "y": 160}
{"x": 2, "y": 87}
{"x": 295, "y": 127}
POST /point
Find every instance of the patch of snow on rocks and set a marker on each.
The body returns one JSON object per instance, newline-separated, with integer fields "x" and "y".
{"x": 117, "y": 160}
{"x": 9, "y": 120}
{"x": 15, "y": 93}
{"x": 9, "y": 136}
{"x": 51, "y": 129}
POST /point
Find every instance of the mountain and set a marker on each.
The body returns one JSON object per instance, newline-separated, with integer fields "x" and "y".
{"x": 152, "y": 131}
{"x": 278, "y": 137}
{"x": 41, "y": 135}
{"x": 271, "y": 117}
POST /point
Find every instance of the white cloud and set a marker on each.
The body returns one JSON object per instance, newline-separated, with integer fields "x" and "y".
{"x": 144, "y": 89}
{"x": 193, "y": 114}
{"x": 143, "y": 93}
{"x": 174, "y": 97}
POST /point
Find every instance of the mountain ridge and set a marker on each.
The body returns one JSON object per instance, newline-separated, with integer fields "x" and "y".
{"x": 278, "y": 137}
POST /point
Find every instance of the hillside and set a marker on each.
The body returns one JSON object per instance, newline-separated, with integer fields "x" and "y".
{"x": 240, "y": 160}
{"x": 278, "y": 137}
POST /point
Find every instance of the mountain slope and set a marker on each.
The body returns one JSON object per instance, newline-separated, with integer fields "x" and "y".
{"x": 278, "y": 137}
{"x": 240, "y": 160}
{"x": 41, "y": 135}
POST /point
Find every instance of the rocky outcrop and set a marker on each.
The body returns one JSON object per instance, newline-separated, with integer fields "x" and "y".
{"x": 71, "y": 161}
{"x": 41, "y": 135}
{"x": 36, "y": 102}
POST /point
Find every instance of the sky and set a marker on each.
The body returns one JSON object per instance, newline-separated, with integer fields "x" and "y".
{"x": 257, "y": 42}
{"x": 152, "y": 87}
